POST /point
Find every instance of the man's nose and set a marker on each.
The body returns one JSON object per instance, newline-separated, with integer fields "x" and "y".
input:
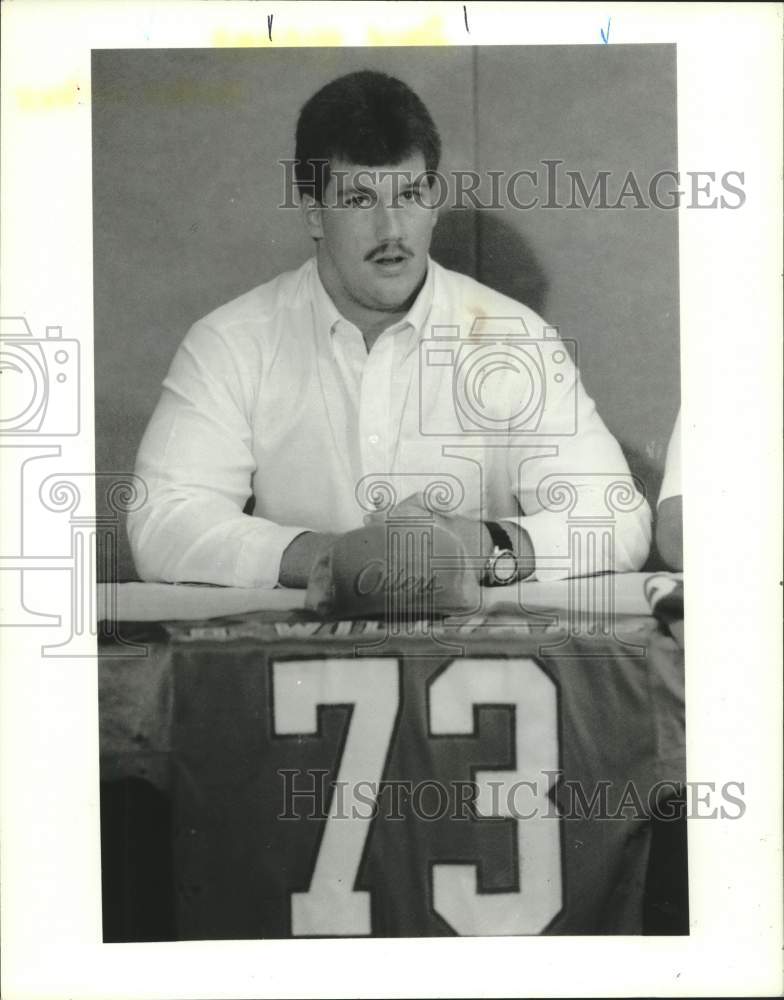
{"x": 388, "y": 221}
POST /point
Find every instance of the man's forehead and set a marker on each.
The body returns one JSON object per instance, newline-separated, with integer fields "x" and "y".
{"x": 346, "y": 174}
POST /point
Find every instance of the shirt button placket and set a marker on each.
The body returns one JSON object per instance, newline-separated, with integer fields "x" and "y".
{"x": 374, "y": 411}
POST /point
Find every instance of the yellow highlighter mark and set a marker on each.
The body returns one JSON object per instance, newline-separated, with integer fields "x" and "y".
{"x": 68, "y": 94}
{"x": 429, "y": 32}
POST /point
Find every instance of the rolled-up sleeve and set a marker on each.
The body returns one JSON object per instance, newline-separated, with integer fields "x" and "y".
{"x": 582, "y": 509}
{"x": 197, "y": 465}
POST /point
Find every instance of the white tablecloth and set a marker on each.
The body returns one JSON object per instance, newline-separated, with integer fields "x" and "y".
{"x": 623, "y": 594}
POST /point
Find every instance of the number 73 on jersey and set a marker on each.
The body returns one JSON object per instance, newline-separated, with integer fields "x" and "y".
{"x": 331, "y": 906}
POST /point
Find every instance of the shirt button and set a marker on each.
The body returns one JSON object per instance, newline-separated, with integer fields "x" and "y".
{"x": 374, "y": 439}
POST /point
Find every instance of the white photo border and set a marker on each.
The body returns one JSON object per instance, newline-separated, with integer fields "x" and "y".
{"x": 729, "y": 118}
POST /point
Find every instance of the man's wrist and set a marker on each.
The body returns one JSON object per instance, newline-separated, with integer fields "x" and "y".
{"x": 508, "y": 535}
{"x": 522, "y": 548}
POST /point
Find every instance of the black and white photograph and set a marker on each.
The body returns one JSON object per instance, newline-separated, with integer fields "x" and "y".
{"x": 404, "y": 405}
{"x": 420, "y": 383}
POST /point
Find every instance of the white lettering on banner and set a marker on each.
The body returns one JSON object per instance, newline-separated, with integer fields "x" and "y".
{"x": 522, "y": 684}
{"x": 331, "y": 907}
{"x": 297, "y": 630}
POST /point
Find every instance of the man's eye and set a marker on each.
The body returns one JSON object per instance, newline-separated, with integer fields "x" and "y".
{"x": 358, "y": 201}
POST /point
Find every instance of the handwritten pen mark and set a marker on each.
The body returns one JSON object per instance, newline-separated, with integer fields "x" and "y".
{"x": 606, "y": 38}
{"x": 269, "y": 25}
{"x": 465, "y": 18}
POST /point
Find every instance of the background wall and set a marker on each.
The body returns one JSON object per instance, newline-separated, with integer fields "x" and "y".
{"x": 186, "y": 186}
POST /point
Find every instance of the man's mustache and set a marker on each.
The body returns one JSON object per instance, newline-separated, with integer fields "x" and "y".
{"x": 396, "y": 249}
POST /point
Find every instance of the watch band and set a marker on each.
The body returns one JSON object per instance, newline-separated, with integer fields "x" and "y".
{"x": 499, "y": 536}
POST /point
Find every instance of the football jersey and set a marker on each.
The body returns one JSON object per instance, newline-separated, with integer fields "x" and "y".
{"x": 329, "y": 779}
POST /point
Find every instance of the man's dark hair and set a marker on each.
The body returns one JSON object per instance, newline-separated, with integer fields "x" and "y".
{"x": 366, "y": 118}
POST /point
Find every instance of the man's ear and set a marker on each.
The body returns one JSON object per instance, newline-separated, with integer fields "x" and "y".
{"x": 435, "y": 212}
{"x": 311, "y": 213}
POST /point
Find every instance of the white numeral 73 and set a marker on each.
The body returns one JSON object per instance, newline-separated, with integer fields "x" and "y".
{"x": 331, "y": 906}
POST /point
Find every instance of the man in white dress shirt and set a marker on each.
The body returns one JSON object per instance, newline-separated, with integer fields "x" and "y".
{"x": 372, "y": 364}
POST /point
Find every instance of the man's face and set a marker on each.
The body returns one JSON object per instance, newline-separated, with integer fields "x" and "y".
{"x": 374, "y": 230}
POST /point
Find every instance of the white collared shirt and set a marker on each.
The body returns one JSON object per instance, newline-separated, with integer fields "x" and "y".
{"x": 275, "y": 395}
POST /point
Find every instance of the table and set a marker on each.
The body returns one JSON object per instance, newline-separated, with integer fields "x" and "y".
{"x": 491, "y": 774}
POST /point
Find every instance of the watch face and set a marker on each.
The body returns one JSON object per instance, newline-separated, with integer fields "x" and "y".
{"x": 505, "y": 567}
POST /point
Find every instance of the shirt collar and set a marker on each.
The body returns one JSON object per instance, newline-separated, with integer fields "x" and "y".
{"x": 328, "y": 315}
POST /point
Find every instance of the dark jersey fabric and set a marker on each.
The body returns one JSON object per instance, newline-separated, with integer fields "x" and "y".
{"x": 496, "y": 782}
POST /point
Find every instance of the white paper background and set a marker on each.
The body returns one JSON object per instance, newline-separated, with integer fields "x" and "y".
{"x": 729, "y": 109}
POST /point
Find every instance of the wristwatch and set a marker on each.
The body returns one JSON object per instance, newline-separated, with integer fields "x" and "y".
{"x": 501, "y": 566}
